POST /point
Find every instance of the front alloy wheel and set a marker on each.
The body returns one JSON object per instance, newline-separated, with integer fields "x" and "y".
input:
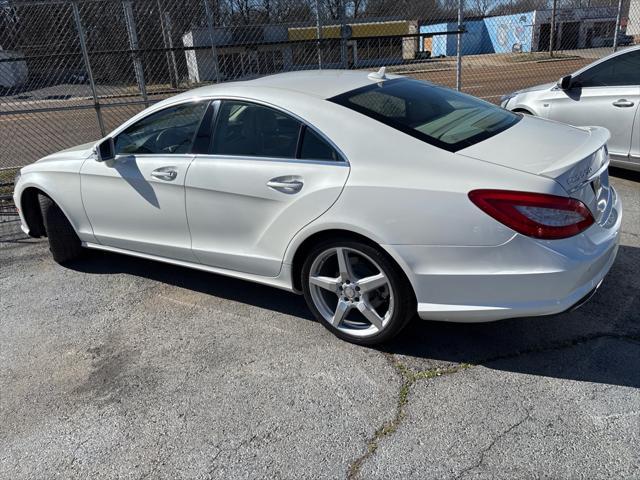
{"x": 357, "y": 292}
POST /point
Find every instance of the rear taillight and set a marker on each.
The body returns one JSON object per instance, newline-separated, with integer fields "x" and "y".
{"x": 535, "y": 214}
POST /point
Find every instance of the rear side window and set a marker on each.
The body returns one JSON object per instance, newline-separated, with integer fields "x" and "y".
{"x": 314, "y": 147}
{"x": 171, "y": 130}
{"x": 620, "y": 70}
{"x": 436, "y": 115}
{"x": 248, "y": 129}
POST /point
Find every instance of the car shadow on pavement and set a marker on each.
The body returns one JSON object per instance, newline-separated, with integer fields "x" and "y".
{"x": 229, "y": 288}
{"x": 600, "y": 342}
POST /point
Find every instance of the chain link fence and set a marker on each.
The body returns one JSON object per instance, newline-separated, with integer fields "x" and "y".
{"x": 71, "y": 71}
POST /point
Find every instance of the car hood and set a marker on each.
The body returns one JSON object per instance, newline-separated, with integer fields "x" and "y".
{"x": 79, "y": 152}
{"x": 544, "y": 147}
{"x": 537, "y": 88}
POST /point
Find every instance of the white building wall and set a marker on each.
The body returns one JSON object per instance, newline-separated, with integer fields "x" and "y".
{"x": 633, "y": 26}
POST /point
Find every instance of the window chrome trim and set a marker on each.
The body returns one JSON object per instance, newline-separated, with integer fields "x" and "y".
{"x": 121, "y": 156}
{"x": 217, "y": 156}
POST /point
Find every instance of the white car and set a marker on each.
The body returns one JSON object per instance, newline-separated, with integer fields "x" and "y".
{"x": 604, "y": 93}
{"x": 376, "y": 196}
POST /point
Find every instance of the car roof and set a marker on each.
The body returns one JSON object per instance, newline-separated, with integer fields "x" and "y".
{"x": 320, "y": 84}
{"x": 289, "y": 91}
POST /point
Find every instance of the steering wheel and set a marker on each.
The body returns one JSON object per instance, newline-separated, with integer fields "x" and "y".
{"x": 170, "y": 140}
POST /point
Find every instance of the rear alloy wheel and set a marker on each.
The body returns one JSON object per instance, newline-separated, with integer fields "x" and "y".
{"x": 357, "y": 292}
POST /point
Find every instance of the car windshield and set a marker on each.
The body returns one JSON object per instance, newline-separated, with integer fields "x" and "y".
{"x": 436, "y": 115}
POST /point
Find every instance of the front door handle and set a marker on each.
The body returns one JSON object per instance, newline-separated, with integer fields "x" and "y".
{"x": 623, "y": 103}
{"x": 165, "y": 173}
{"x": 287, "y": 184}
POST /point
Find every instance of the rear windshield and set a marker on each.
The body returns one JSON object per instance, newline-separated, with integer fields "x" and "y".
{"x": 436, "y": 115}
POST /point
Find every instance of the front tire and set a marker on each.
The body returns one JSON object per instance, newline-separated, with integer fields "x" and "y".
{"x": 64, "y": 243}
{"x": 357, "y": 291}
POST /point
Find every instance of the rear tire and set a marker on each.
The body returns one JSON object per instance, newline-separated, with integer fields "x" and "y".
{"x": 367, "y": 303}
{"x": 64, "y": 243}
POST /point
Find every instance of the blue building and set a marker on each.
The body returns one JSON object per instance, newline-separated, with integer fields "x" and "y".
{"x": 524, "y": 32}
{"x": 506, "y": 33}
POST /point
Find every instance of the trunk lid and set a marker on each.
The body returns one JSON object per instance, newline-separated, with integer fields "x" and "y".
{"x": 574, "y": 157}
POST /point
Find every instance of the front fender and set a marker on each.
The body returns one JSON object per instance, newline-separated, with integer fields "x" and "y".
{"x": 62, "y": 187}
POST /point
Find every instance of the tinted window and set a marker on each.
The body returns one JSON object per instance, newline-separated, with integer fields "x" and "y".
{"x": 617, "y": 71}
{"x": 436, "y": 115}
{"x": 315, "y": 147}
{"x": 171, "y": 130}
{"x": 249, "y": 129}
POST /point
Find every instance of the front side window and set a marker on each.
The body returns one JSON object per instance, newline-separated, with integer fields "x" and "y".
{"x": 436, "y": 115}
{"x": 249, "y": 129}
{"x": 620, "y": 70}
{"x": 171, "y": 130}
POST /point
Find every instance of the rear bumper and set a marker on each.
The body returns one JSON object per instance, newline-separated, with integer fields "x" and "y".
{"x": 523, "y": 277}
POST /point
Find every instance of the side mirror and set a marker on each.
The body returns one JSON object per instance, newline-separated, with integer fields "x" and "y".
{"x": 565, "y": 83}
{"x": 106, "y": 150}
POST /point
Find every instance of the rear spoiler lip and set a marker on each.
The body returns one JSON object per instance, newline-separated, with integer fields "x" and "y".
{"x": 598, "y": 137}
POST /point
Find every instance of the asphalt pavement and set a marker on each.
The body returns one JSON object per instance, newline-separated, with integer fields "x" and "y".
{"x": 117, "y": 367}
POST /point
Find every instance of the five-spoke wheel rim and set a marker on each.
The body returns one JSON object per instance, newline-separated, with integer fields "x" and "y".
{"x": 351, "y": 291}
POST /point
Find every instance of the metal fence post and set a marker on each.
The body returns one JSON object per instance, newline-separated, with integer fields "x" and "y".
{"x": 618, "y": 18}
{"x": 133, "y": 44}
{"x": 319, "y": 34}
{"x": 87, "y": 65}
{"x": 343, "y": 34}
{"x": 165, "y": 24}
{"x": 552, "y": 33}
{"x": 459, "y": 47}
{"x": 214, "y": 54}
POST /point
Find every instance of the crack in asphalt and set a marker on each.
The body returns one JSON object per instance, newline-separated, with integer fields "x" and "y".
{"x": 409, "y": 377}
{"x": 485, "y": 451}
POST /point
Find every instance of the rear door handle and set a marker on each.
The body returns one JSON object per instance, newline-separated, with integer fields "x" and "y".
{"x": 623, "y": 102}
{"x": 165, "y": 173}
{"x": 286, "y": 184}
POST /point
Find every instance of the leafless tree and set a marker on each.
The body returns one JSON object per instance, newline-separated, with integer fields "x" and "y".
{"x": 480, "y": 8}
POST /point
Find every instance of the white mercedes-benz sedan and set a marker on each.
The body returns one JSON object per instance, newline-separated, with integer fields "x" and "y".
{"x": 375, "y": 196}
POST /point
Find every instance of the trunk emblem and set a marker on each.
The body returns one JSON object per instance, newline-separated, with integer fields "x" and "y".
{"x": 579, "y": 176}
